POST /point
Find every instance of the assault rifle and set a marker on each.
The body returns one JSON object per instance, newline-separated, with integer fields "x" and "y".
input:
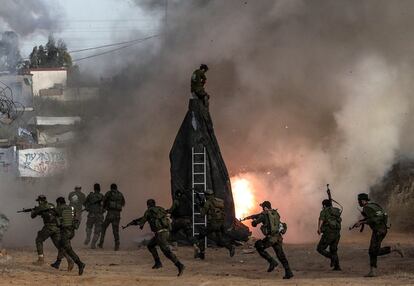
{"x": 255, "y": 216}
{"x": 328, "y": 191}
{"x": 24, "y": 210}
{"x": 361, "y": 226}
{"x": 133, "y": 222}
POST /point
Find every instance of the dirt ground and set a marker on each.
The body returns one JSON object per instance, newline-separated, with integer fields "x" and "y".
{"x": 133, "y": 267}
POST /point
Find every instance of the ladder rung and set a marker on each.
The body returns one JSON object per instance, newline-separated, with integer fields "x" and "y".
{"x": 198, "y": 163}
{"x": 198, "y": 153}
{"x": 197, "y": 213}
{"x": 198, "y": 173}
{"x": 199, "y": 223}
{"x": 199, "y": 183}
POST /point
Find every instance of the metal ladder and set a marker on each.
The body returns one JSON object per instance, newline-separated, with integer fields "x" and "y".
{"x": 199, "y": 186}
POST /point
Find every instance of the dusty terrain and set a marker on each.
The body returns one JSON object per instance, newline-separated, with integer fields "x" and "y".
{"x": 133, "y": 267}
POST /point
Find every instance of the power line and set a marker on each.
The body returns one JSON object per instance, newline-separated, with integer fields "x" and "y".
{"x": 111, "y": 45}
{"x": 113, "y": 50}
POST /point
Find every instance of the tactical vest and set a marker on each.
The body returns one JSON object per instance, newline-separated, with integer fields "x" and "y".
{"x": 157, "y": 219}
{"x": 115, "y": 200}
{"x": 380, "y": 218}
{"x": 216, "y": 212}
{"x": 271, "y": 226}
{"x": 67, "y": 216}
{"x": 76, "y": 199}
{"x": 184, "y": 208}
{"x": 94, "y": 203}
{"x": 333, "y": 218}
{"x": 48, "y": 213}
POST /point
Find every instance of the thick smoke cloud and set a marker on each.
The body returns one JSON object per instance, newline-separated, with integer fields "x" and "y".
{"x": 26, "y": 17}
{"x": 303, "y": 93}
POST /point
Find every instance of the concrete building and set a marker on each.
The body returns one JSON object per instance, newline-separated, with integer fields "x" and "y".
{"x": 44, "y": 78}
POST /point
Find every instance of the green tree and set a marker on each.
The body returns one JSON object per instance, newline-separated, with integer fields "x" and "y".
{"x": 52, "y": 55}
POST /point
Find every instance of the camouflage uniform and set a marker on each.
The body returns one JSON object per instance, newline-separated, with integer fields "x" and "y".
{"x": 159, "y": 223}
{"x": 113, "y": 203}
{"x": 181, "y": 219}
{"x": 94, "y": 207}
{"x": 273, "y": 238}
{"x": 76, "y": 200}
{"x": 331, "y": 234}
{"x": 213, "y": 208}
{"x": 198, "y": 80}
{"x": 374, "y": 216}
{"x": 68, "y": 225}
{"x": 50, "y": 229}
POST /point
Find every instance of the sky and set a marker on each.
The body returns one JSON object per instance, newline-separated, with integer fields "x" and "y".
{"x": 90, "y": 23}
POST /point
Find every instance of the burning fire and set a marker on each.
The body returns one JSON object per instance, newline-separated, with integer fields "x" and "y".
{"x": 243, "y": 195}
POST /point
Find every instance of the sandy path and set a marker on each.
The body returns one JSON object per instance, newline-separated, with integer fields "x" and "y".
{"x": 133, "y": 267}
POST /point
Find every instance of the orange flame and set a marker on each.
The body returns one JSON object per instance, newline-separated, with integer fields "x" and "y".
{"x": 243, "y": 195}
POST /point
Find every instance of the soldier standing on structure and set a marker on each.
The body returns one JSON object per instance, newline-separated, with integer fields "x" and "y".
{"x": 68, "y": 224}
{"x": 213, "y": 208}
{"x": 113, "y": 203}
{"x": 272, "y": 228}
{"x": 160, "y": 225}
{"x": 329, "y": 226}
{"x": 377, "y": 219}
{"x": 50, "y": 229}
{"x": 198, "y": 80}
{"x": 94, "y": 207}
{"x": 76, "y": 200}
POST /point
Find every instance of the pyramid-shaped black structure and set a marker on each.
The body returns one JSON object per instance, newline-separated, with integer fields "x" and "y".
{"x": 197, "y": 131}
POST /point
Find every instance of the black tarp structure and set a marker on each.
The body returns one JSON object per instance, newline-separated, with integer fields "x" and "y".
{"x": 197, "y": 131}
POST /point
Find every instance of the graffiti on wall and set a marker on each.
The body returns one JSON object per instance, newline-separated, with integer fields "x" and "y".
{"x": 42, "y": 162}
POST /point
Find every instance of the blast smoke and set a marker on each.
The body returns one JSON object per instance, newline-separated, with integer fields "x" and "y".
{"x": 26, "y": 17}
{"x": 311, "y": 92}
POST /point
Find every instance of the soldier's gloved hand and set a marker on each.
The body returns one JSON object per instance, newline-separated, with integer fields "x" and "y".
{"x": 254, "y": 223}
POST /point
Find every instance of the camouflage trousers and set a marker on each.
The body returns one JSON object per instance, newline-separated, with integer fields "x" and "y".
{"x": 331, "y": 240}
{"x": 94, "y": 222}
{"x": 52, "y": 232}
{"x": 375, "y": 248}
{"x": 215, "y": 231}
{"x": 182, "y": 225}
{"x": 276, "y": 242}
{"x": 67, "y": 233}
{"x": 161, "y": 239}
{"x": 112, "y": 217}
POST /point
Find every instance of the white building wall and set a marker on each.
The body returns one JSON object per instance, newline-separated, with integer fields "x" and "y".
{"x": 43, "y": 79}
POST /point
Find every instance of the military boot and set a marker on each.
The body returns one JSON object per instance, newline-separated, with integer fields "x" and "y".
{"x": 372, "y": 272}
{"x": 71, "y": 264}
{"x": 157, "y": 264}
{"x": 81, "y": 267}
{"x": 180, "y": 268}
{"x": 100, "y": 244}
{"x": 272, "y": 265}
{"x": 397, "y": 248}
{"x": 40, "y": 261}
{"x": 288, "y": 274}
{"x": 196, "y": 250}
{"x": 116, "y": 248}
{"x": 232, "y": 251}
{"x": 335, "y": 263}
{"x": 56, "y": 264}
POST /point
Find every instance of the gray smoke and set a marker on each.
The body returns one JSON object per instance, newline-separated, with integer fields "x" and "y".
{"x": 303, "y": 93}
{"x": 26, "y": 17}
